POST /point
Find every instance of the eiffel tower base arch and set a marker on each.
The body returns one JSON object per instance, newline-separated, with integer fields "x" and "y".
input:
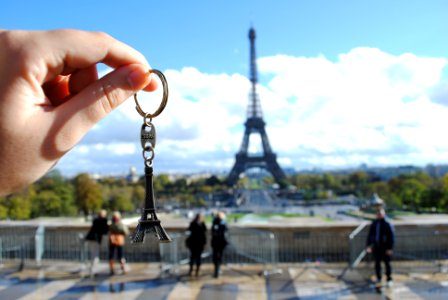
{"x": 244, "y": 162}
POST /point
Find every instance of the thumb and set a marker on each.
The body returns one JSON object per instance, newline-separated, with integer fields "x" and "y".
{"x": 78, "y": 115}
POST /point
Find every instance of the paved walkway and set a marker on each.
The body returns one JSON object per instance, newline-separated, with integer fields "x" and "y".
{"x": 142, "y": 281}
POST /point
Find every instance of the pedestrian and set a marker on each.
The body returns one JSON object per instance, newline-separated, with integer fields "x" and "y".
{"x": 380, "y": 242}
{"x": 196, "y": 242}
{"x": 94, "y": 237}
{"x": 219, "y": 241}
{"x": 117, "y": 239}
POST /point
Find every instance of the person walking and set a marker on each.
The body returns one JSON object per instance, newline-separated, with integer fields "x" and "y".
{"x": 380, "y": 242}
{"x": 219, "y": 241}
{"x": 94, "y": 238}
{"x": 196, "y": 242}
{"x": 117, "y": 238}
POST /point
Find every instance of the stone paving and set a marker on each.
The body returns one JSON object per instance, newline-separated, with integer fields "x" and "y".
{"x": 63, "y": 280}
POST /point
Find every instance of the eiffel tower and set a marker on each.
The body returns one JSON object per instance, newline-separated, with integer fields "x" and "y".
{"x": 255, "y": 124}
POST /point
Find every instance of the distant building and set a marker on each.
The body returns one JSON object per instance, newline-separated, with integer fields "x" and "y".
{"x": 132, "y": 177}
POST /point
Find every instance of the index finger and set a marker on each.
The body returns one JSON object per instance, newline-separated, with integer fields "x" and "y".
{"x": 70, "y": 49}
{"x": 80, "y": 49}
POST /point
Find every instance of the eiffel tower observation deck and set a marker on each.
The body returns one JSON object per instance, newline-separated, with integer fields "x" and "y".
{"x": 255, "y": 125}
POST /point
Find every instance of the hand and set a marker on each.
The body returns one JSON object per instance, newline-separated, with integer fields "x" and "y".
{"x": 50, "y": 95}
{"x": 369, "y": 249}
{"x": 389, "y": 252}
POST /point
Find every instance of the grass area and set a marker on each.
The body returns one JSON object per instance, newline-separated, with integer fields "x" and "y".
{"x": 393, "y": 214}
{"x": 400, "y": 213}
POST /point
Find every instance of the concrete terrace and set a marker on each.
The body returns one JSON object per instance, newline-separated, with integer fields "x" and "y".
{"x": 64, "y": 280}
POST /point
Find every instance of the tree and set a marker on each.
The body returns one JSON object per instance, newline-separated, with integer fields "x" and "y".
{"x": 19, "y": 207}
{"x": 412, "y": 192}
{"x": 3, "y": 208}
{"x": 138, "y": 196}
{"x": 161, "y": 183}
{"x": 54, "y": 188}
{"x": 88, "y": 197}
{"x": 379, "y": 187}
{"x": 358, "y": 180}
{"x": 120, "y": 202}
{"x": 328, "y": 181}
{"x": 432, "y": 198}
{"x": 444, "y": 192}
{"x": 46, "y": 203}
{"x": 212, "y": 181}
{"x": 180, "y": 185}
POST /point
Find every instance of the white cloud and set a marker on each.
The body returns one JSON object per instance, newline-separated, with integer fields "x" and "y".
{"x": 367, "y": 107}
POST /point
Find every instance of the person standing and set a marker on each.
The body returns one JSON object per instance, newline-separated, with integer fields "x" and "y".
{"x": 196, "y": 242}
{"x": 380, "y": 242}
{"x": 219, "y": 241}
{"x": 117, "y": 238}
{"x": 94, "y": 237}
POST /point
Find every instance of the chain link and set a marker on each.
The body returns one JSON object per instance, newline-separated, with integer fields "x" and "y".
{"x": 148, "y": 158}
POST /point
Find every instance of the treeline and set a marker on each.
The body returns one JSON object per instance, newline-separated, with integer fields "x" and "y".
{"x": 417, "y": 192}
{"x": 54, "y": 195}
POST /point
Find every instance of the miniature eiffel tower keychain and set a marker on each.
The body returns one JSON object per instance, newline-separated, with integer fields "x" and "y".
{"x": 149, "y": 221}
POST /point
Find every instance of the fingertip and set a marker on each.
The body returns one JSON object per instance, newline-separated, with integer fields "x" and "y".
{"x": 138, "y": 77}
{"x": 152, "y": 85}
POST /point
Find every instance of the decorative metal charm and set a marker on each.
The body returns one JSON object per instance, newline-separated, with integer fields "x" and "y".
{"x": 148, "y": 221}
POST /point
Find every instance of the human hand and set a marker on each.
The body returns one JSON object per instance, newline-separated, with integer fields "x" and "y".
{"x": 369, "y": 249}
{"x": 389, "y": 252}
{"x": 50, "y": 95}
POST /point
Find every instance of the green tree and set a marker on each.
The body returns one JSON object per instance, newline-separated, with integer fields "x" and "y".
{"x": 432, "y": 198}
{"x": 180, "y": 185}
{"x": 161, "y": 183}
{"x": 19, "y": 207}
{"x": 411, "y": 193}
{"x": 121, "y": 202}
{"x": 187, "y": 200}
{"x": 358, "y": 180}
{"x": 212, "y": 181}
{"x": 19, "y": 204}
{"x": 3, "y": 208}
{"x": 88, "y": 196}
{"x": 379, "y": 187}
{"x": 61, "y": 193}
{"x": 328, "y": 181}
{"x": 46, "y": 203}
{"x": 444, "y": 192}
{"x": 138, "y": 196}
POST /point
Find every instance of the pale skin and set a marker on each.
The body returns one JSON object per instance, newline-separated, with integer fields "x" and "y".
{"x": 51, "y": 96}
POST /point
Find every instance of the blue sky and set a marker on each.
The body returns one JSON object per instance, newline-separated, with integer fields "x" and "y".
{"x": 312, "y": 57}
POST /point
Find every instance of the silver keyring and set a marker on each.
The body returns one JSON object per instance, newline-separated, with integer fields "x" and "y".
{"x": 164, "y": 97}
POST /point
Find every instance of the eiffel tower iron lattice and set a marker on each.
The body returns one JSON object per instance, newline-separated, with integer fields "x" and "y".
{"x": 255, "y": 125}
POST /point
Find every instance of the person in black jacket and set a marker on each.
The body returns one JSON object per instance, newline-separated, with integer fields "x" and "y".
{"x": 219, "y": 241}
{"x": 196, "y": 242}
{"x": 380, "y": 242}
{"x": 94, "y": 237}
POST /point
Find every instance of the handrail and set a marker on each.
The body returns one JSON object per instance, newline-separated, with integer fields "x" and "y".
{"x": 357, "y": 230}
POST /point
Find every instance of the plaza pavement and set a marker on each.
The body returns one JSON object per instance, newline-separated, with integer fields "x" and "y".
{"x": 65, "y": 280}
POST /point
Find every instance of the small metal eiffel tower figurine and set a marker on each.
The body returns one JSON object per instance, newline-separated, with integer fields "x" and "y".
{"x": 149, "y": 221}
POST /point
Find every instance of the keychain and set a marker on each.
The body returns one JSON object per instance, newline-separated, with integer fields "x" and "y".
{"x": 149, "y": 221}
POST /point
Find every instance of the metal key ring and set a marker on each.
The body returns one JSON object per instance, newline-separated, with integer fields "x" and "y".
{"x": 164, "y": 97}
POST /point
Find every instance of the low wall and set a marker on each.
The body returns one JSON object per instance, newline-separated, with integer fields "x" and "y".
{"x": 326, "y": 242}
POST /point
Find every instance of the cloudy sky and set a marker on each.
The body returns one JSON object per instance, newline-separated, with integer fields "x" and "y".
{"x": 341, "y": 83}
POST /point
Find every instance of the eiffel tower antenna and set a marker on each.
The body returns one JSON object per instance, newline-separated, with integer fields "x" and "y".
{"x": 255, "y": 124}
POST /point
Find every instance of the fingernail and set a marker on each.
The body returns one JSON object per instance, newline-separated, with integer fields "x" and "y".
{"x": 138, "y": 78}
